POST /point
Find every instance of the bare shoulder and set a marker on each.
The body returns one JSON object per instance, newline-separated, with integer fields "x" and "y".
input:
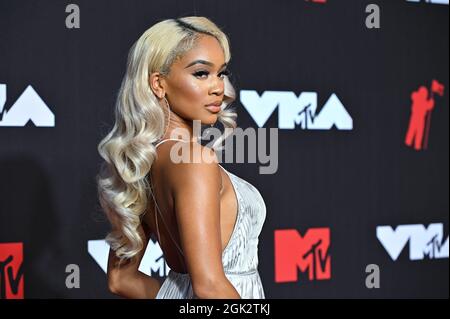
{"x": 183, "y": 163}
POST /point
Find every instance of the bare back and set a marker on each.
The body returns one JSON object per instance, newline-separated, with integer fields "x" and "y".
{"x": 166, "y": 223}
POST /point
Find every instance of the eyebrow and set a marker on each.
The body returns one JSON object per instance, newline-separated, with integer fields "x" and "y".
{"x": 203, "y": 62}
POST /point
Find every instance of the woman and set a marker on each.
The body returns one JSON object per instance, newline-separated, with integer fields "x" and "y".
{"x": 207, "y": 220}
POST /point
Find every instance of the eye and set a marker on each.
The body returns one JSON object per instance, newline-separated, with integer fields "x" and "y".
{"x": 204, "y": 74}
{"x": 201, "y": 73}
{"x": 225, "y": 72}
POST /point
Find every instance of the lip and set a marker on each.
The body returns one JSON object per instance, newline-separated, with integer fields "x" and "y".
{"x": 213, "y": 108}
{"x": 215, "y": 103}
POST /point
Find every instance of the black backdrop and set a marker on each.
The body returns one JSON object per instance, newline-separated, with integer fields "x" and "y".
{"x": 347, "y": 181}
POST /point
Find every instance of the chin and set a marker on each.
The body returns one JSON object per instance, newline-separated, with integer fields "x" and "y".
{"x": 210, "y": 120}
{"x": 216, "y": 117}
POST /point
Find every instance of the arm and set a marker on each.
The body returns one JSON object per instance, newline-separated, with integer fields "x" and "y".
{"x": 195, "y": 188}
{"x": 126, "y": 280}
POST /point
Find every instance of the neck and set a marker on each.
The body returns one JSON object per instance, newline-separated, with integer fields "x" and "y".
{"x": 180, "y": 128}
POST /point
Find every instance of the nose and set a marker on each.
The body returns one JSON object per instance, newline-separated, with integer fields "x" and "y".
{"x": 217, "y": 87}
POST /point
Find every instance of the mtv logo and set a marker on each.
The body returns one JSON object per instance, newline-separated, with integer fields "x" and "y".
{"x": 11, "y": 271}
{"x": 152, "y": 262}
{"x": 307, "y": 254}
{"x": 28, "y": 107}
{"x": 423, "y": 241}
{"x": 296, "y": 111}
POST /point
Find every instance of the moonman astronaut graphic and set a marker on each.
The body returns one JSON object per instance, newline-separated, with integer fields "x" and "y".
{"x": 421, "y": 108}
{"x": 420, "y": 120}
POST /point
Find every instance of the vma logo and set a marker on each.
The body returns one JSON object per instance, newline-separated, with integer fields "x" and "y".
{"x": 309, "y": 254}
{"x": 423, "y": 242}
{"x": 11, "y": 271}
{"x": 28, "y": 107}
{"x": 296, "y": 111}
{"x": 152, "y": 263}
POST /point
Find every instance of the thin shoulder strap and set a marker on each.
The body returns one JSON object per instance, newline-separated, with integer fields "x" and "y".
{"x": 158, "y": 211}
{"x": 169, "y": 139}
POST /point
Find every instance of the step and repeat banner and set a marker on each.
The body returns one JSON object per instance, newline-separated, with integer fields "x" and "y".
{"x": 357, "y": 91}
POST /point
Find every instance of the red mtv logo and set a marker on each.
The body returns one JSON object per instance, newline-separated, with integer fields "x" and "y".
{"x": 11, "y": 271}
{"x": 420, "y": 120}
{"x": 307, "y": 253}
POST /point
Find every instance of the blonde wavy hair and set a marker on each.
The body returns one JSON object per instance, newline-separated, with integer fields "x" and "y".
{"x": 128, "y": 149}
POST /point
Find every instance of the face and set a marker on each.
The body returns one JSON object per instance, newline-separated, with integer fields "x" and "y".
{"x": 196, "y": 80}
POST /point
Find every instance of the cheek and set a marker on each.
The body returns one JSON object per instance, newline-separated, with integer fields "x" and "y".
{"x": 191, "y": 88}
{"x": 190, "y": 92}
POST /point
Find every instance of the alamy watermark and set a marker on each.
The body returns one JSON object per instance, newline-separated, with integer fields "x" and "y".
{"x": 373, "y": 18}
{"x": 260, "y": 145}
{"x": 73, "y": 279}
{"x": 73, "y": 17}
{"x": 373, "y": 277}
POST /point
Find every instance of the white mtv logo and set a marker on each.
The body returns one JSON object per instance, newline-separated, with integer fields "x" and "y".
{"x": 28, "y": 107}
{"x": 293, "y": 110}
{"x": 422, "y": 241}
{"x": 152, "y": 262}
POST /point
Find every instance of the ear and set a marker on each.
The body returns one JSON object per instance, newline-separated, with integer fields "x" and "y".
{"x": 155, "y": 82}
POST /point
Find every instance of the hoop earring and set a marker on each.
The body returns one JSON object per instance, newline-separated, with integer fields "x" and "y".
{"x": 168, "y": 118}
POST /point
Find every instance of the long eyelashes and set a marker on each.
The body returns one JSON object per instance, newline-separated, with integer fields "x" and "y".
{"x": 225, "y": 72}
{"x": 202, "y": 73}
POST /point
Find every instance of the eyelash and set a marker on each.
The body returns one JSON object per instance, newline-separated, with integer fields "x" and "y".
{"x": 200, "y": 73}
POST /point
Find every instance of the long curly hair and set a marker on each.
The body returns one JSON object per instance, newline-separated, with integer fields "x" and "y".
{"x": 128, "y": 149}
